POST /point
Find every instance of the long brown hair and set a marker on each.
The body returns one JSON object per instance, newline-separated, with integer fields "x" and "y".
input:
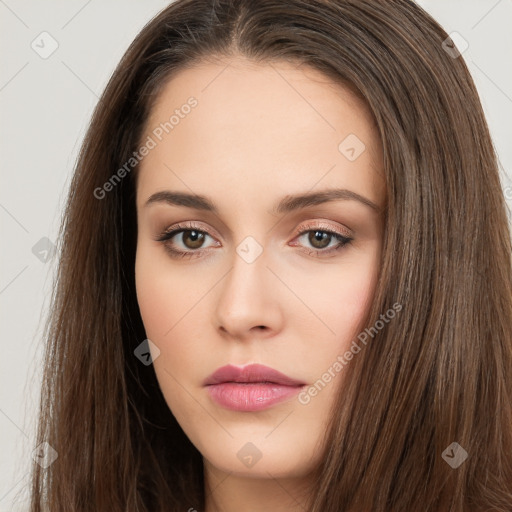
{"x": 439, "y": 373}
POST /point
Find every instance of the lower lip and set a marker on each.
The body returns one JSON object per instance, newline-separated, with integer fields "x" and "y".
{"x": 250, "y": 396}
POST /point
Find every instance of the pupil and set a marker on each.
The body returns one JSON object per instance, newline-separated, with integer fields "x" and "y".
{"x": 319, "y": 236}
{"x": 196, "y": 238}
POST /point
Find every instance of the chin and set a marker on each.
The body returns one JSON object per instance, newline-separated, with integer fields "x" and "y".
{"x": 255, "y": 455}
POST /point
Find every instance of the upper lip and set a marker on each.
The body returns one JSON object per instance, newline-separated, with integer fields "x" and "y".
{"x": 250, "y": 373}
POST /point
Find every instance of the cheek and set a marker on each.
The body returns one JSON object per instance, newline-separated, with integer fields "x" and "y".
{"x": 155, "y": 301}
{"x": 172, "y": 306}
{"x": 164, "y": 298}
{"x": 163, "y": 294}
{"x": 341, "y": 296}
{"x": 355, "y": 294}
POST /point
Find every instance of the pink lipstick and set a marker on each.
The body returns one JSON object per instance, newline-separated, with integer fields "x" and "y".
{"x": 250, "y": 388}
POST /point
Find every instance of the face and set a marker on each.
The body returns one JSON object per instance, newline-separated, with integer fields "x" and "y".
{"x": 259, "y": 242}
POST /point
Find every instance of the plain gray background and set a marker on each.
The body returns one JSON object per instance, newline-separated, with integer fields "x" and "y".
{"x": 45, "y": 106}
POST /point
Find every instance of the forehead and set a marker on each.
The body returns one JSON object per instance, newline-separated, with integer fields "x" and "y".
{"x": 258, "y": 127}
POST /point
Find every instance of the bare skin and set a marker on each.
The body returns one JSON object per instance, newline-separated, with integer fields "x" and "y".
{"x": 259, "y": 133}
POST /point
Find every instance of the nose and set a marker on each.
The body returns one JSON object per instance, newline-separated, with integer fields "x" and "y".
{"x": 248, "y": 304}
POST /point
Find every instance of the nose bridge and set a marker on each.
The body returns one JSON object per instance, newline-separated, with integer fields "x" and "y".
{"x": 245, "y": 282}
{"x": 246, "y": 298}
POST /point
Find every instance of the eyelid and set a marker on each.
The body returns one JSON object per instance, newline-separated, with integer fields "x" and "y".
{"x": 305, "y": 226}
{"x": 322, "y": 225}
{"x": 185, "y": 226}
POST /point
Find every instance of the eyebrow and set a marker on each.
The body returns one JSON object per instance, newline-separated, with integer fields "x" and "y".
{"x": 287, "y": 204}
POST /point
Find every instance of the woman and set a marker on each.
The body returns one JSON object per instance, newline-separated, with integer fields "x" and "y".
{"x": 285, "y": 278}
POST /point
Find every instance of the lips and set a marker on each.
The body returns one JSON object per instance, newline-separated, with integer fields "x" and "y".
{"x": 250, "y": 374}
{"x": 250, "y": 388}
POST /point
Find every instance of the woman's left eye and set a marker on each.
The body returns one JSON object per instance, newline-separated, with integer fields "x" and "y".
{"x": 322, "y": 241}
{"x": 191, "y": 240}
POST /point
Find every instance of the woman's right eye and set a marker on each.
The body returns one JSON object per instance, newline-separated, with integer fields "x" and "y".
{"x": 184, "y": 241}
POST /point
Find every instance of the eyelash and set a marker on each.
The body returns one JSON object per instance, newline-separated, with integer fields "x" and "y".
{"x": 166, "y": 236}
